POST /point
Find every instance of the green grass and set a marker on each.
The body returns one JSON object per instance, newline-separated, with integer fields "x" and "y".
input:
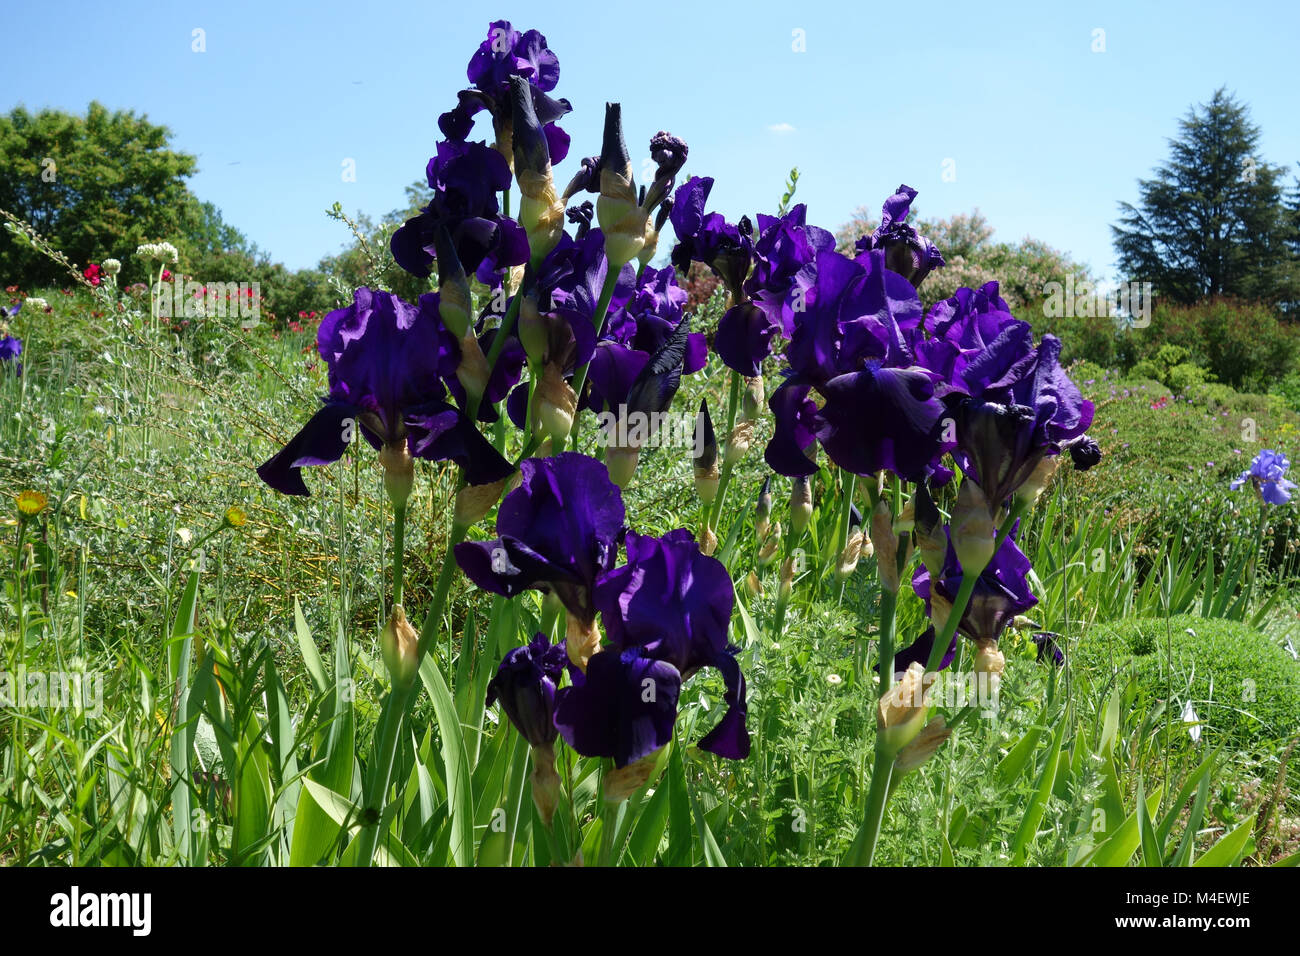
{"x": 142, "y": 439}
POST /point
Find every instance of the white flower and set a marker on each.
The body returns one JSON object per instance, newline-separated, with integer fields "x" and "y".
{"x": 834, "y": 679}
{"x": 185, "y": 534}
{"x": 1193, "y": 722}
{"x": 111, "y": 267}
{"x": 34, "y": 302}
{"x": 158, "y": 250}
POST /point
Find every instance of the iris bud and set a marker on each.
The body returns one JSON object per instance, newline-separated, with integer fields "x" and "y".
{"x": 738, "y": 443}
{"x": 399, "y": 471}
{"x": 906, "y": 519}
{"x": 533, "y": 329}
{"x": 541, "y": 211}
{"x": 474, "y": 501}
{"x": 546, "y": 782}
{"x": 901, "y": 713}
{"x": 972, "y": 528}
{"x": 801, "y": 504}
{"x": 930, "y": 538}
{"x": 770, "y": 545}
{"x": 924, "y": 746}
{"x": 753, "y": 585}
{"x": 651, "y": 245}
{"x": 621, "y": 463}
{"x": 710, "y": 542}
{"x": 1038, "y": 480}
{"x": 1084, "y": 452}
{"x": 455, "y": 302}
{"x": 556, "y": 403}
{"x": 399, "y": 642}
{"x": 705, "y": 455}
{"x": 763, "y": 509}
{"x": 885, "y": 543}
{"x": 582, "y": 640}
{"x": 848, "y": 560}
{"x": 787, "y": 578}
{"x": 621, "y": 218}
{"x": 753, "y": 399}
{"x": 472, "y": 372}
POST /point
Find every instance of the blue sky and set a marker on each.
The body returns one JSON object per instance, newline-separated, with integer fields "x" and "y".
{"x": 1044, "y": 135}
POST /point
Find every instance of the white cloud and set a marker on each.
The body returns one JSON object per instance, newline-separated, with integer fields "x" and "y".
{"x": 781, "y": 128}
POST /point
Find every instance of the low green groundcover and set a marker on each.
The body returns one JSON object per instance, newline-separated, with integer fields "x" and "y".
{"x": 1241, "y": 683}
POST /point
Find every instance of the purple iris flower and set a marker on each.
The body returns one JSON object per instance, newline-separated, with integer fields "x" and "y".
{"x": 667, "y": 613}
{"x": 645, "y": 310}
{"x": 675, "y": 603}
{"x": 10, "y": 348}
{"x": 558, "y": 531}
{"x": 525, "y": 684}
{"x": 1048, "y": 647}
{"x": 624, "y": 707}
{"x": 707, "y": 237}
{"x": 974, "y": 329}
{"x": 784, "y": 246}
{"x": 910, "y": 255}
{"x": 879, "y": 409}
{"x": 465, "y": 179}
{"x": 1001, "y": 592}
{"x": 387, "y": 361}
{"x": 505, "y": 53}
{"x": 1018, "y": 413}
{"x": 1267, "y": 473}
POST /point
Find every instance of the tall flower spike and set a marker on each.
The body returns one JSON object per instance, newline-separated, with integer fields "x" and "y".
{"x": 621, "y": 218}
{"x": 705, "y": 455}
{"x": 541, "y": 211}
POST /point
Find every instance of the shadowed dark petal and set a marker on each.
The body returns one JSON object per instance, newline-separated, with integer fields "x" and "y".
{"x": 882, "y": 418}
{"x": 322, "y": 441}
{"x": 447, "y": 435}
{"x": 613, "y": 369}
{"x": 525, "y": 685}
{"x": 624, "y": 708}
{"x": 507, "y": 566}
{"x": 670, "y": 599}
{"x": 744, "y": 338}
{"x": 729, "y": 738}
{"x": 919, "y": 652}
{"x": 795, "y": 417}
{"x": 658, "y": 381}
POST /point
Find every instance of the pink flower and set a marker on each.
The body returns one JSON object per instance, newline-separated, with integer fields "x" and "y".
{"x": 92, "y": 274}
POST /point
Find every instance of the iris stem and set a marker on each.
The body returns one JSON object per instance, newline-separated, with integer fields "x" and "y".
{"x": 1254, "y": 558}
{"x": 968, "y": 582}
{"x": 399, "y": 701}
{"x": 376, "y": 793}
{"x": 863, "y": 851}
{"x": 733, "y": 404}
{"x": 494, "y": 351}
{"x": 580, "y": 376}
{"x": 399, "y": 535}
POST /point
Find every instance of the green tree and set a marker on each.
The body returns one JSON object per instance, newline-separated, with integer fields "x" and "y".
{"x": 94, "y": 186}
{"x": 1212, "y": 221}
